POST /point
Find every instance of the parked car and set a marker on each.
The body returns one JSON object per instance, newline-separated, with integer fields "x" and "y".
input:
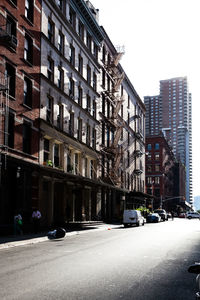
{"x": 182, "y": 215}
{"x": 169, "y": 215}
{"x": 133, "y": 217}
{"x": 193, "y": 214}
{"x": 162, "y": 213}
{"x": 153, "y": 218}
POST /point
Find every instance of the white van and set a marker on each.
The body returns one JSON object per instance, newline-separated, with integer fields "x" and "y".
{"x": 131, "y": 217}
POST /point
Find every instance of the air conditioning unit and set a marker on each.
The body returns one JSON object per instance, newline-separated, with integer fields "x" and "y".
{"x": 13, "y": 41}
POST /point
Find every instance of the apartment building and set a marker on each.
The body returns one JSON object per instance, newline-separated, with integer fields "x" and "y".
{"x": 19, "y": 107}
{"x": 70, "y": 43}
{"x": 165, "y": 176}
{"x": 72, "y": 122}
{"x": 122, "y": 116}
{"x": 171, "y": 113}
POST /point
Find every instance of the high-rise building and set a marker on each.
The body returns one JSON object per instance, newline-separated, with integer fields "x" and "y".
{"x": 171, "y": 113}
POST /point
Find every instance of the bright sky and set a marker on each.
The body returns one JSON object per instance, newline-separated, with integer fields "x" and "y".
{"x": 162, "y": 41}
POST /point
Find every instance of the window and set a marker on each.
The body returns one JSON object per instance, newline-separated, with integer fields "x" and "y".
{"x": 80, "y": 64}
{"x": 149, "y": 168}
{"x": 11, "y": 124}
{"x": 60, "y": 117}
{"x": 94, "y": 109}
{"x": 157, "y": 168}
{"x": 79, "y": 132}
{"x": 50, "y": 69}
{"x": 56, "y": 159}
{"x": 157, "y": 146}
{"x": 61, "y": 42}
{"x": 10, "y": 72}
{"x": 157, "y": 180}
{"x": 81, "y": 30}
{"x": 89, "y": 41}
{"x": 92, "y": 170}
{"x": 94, "y": 138}
{"x": 103, "y": 134}
{"x": 149, "y": 147}
{"x": 11, "y": 30}
{"x": 149, "y": 156}
{"x": 88, "y": 103}
{"x": 157, "y": 156}
{"x": 103, "y": 104}
{"x": 76, "y": 163}
{"x": 71, "y": 124}
{"x": 108, "y": 83}
{"x": 29, "y": 10}
{"x": 80, "y": 96}
{"x": 95, "y": 51}
{"x": 103, "y": 78}
{"x": 27, "y": 92}
{"x": 28, "y": 49}
{"x": 46, "y": 153}
{"x": 49, "y": 109}
{"x": 128, "y": 159}
{"x": 104, "y": 54}
{"x": 72, "y": 55}
{"x": 128, "y": 101}
{"x": 88, "y": 74}
{"x": 94, "y": 81}
{"x": 149, "y": 180}
{"x": 86, "y": 167}
{"x": 69, "y": 162}
{"x": 71, "y": 88}
{"x": 60, "y": 4}
{"x": 51, "y": 29}
{"x": 27, "y": 138}
{"x": 88, "y": 134}
{"x": 60, "y": 78}
{"x": 72, "y": 17}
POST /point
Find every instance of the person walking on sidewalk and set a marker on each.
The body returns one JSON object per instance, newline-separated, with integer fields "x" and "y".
{"x": 36, "y": 216}
{"x": 18, "y": 224}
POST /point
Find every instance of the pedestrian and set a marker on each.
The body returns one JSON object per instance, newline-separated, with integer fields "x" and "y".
{"x": 18, "y": 224}
{"x": 36, "y": 217}
{"x": 172, "y": 213}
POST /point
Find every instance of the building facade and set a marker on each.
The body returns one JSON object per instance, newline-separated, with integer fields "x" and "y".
{"x": 72, "y": 124}
{"x": 171, "y": 113}
{"x": 19, "y": 107}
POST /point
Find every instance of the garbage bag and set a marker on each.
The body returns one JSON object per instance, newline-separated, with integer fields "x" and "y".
{"x": 57, "y": 233}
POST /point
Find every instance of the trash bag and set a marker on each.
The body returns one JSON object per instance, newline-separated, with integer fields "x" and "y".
{"x": 57, "y": 233}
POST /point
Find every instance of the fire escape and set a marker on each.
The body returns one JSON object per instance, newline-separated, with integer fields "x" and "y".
{"x": 113, "y": 150}
{"x": 4, "y": 119}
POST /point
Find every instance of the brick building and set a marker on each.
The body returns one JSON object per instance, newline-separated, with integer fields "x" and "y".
{"x": 75, "y": 142}
{"x": 20, "y": 99}
{"x": 161, "y": 171}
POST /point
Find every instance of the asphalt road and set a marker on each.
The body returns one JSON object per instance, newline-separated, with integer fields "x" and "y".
{"x": 147, "y": 262}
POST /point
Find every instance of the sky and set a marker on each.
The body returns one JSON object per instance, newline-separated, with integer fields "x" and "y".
{"x": 162, "y": 41}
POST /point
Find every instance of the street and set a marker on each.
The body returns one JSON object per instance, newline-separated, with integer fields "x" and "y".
{"x": 147, "y": 262}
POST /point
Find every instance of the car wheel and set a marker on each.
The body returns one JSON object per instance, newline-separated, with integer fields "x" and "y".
{"x": 125, "y": 225}
{"x": 143, "y": 224}
{"x": 189, "y": 218}
{"x": 138, "y": 224}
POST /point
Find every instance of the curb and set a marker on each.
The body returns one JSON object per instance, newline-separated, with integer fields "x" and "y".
{"x": 9, "y": 245}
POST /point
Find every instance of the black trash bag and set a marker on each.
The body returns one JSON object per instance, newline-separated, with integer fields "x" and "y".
{"x": 57, "y": 233}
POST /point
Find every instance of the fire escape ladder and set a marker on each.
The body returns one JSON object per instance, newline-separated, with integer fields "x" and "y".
{"x": 117, "y": 136}
{"x": 117, "y": 82}
{"x": 113, "y": 150}
{"x": 117, "y": 58}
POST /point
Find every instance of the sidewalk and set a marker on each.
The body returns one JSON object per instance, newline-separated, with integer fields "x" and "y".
{"x": 28, "y": 239}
